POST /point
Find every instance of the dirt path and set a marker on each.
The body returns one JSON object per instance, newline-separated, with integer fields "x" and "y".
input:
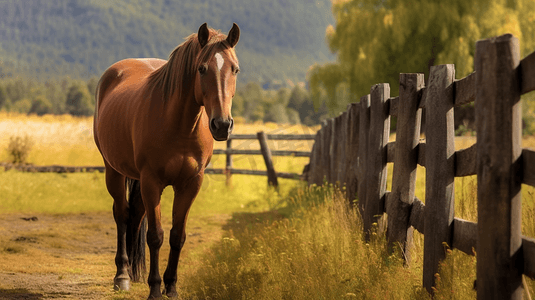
{"x": 72, "y": 256}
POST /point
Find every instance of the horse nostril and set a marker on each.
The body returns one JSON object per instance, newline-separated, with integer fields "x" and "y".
{"x": 231, "y": 125}
{"x": 213, "y": 125}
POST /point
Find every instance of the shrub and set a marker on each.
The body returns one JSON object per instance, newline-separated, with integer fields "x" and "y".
{"x": 19, "y": 148}
{"x": 40, "y": 106}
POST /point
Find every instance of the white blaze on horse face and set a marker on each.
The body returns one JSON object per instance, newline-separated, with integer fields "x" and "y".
{"x": 220, "y": 61}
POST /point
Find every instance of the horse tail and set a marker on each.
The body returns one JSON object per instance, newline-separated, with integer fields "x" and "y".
{"x": 136, "y": 231}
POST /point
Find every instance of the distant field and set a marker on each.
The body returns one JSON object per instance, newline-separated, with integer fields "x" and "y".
{"x": 66, "y": 140}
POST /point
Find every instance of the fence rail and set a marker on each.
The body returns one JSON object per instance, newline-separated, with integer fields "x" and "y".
{"x": 266, "y": 154}
{"x": 228, "y": 171}
{"x": 353, "y": 150}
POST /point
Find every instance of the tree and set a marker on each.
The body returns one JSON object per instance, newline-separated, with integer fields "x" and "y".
{"x": 377, "y": 39}
{"x": 40, "y": 106}
{"x": 277, "y": 114}
{"x": 22, "y": 106}
{"x": 79, "y": 101}
{"x": 252, "y": 96}
{"x": 3, "y": 96}
{"x": 92, "y": 85}
{"x": 301, "y": 103}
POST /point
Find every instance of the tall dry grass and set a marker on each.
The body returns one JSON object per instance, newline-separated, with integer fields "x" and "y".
{"x": 312, "y": 250}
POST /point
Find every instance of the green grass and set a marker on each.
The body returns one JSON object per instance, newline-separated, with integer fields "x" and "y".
{"x": 86, "y": 192}
{"x": 53, "y": 193}
{"x": 312, "y": 249}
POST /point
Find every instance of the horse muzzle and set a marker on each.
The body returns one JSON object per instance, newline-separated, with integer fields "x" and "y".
{"x": 221, "y": 128}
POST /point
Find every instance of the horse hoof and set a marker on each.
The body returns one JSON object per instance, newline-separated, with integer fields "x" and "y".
{"x": 155, "y": 294}
{"x": 171, "y": 293}
{"x": 121, "y": 284}
{"x": 154, "y": 297}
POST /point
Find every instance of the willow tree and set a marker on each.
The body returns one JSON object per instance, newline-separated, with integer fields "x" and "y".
{"x": 375, "y": 40}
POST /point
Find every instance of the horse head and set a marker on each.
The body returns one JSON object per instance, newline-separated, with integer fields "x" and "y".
{"x": 215, "y": 82}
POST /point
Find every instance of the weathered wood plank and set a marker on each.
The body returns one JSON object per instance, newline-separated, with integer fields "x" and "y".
{"x": 364, "y": 127}
{"x": 222, "y": 171}
{"x": 335, "y": 158}
{"x": 440, "y": 170}
{"x": 52, "y": 168}
{"x": 316, "y": 175}
{"x": 527, "y": 73}
{"x": 311, "y": 167}
{"x": 376, "y": 171}
{"x": 343, "y": 162}
{"x": 394, "y": 104}
{"x": 252, "y": 172}
{"x": 405, "y": 163}
{"x": 464, "y": 236}
{"x": 528, "y": 251}
{"x": 390, "y": 151}
{"x": 465, "y": 161}
{"x": 423, "y": 97}
{"x": 499, "y": 133}
{"x": 421, "y": 154}
{"x": 352, "y": 151}
{"x": 417, "y": 219}
{"x": 528, "y": 167}
{"x": 328, "y": 149}
{"x": 326, "y": 146}
{"x": 337, "y": 149}
{"x": 259, "y": 152}
{"x": 266, "y": 153}
{"x": 465, "y": 90}
{"x": 274, "y": 136}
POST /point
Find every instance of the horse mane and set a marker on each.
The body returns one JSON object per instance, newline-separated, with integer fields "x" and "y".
{"x": 179, "y": 71}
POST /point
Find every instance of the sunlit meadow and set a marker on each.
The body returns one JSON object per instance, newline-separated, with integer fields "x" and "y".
{"x": 301, "y": 243}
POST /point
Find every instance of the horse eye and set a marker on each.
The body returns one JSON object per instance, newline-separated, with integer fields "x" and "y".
{"x": 236, "y": 71}
{"x": 202, "y": 68}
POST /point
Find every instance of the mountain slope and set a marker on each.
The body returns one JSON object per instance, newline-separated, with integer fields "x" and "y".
{"x": 81, "y": 38}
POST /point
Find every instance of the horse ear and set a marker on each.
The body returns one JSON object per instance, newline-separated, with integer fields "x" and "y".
{"x": 233, "y": 35}
{"x": 203, "y": 35}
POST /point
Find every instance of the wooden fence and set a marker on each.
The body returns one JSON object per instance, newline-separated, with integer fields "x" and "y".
{"x": 229, "y": 170}
{"x": 266, "y": 154}
{"x": 353, "y": 150}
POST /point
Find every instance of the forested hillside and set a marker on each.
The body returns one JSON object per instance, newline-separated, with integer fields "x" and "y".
{"x": 80, "y": 38}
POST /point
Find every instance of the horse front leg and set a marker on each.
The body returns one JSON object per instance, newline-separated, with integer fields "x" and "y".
{"x": 185, "y": 193}
{"x": 116, "y": 188}
{"x": 151, "y": 192}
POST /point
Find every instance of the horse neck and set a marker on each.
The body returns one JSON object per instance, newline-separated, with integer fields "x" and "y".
{"x": 184, "y": 114}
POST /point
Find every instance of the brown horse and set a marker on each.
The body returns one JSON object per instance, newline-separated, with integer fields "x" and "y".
{"x": 154, "y": 125}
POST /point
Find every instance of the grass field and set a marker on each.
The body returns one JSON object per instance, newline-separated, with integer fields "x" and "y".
{"x": 247, "y": 242}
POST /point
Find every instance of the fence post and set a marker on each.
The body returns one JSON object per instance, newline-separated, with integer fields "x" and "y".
{"x": 317, "y": 175}
{"x": 324, "y": 152}
{"x": 498, "y": 123}
{"x": 352, "y": 151}
{"x": 328, "y": 149}
{"x": 405, "y": 163}
{"x": 312, "y": 166}
{"x": 376, "y": 161}
{"x": 335, "y": 158}
{"x": 266, "y": 153}
{"x": 339, "y": 149}
{"x": 342, "y": 160}
{"x": 440, "y": 170}
{"x": 228, "y": 165}
{"x": 364, "y": 126}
